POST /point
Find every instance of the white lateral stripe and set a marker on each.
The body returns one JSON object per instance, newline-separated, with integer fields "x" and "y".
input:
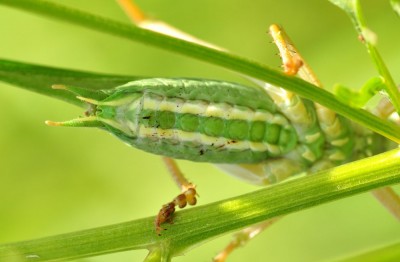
{"x": 204, "y": 109}
{"x": 196, "y": 108}
{"x": 149, "y": 103}
{"x": 217, "y": 142}
{"x": 220, "y": 111}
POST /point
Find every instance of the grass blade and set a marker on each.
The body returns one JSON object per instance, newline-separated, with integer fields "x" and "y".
{"x": 39, "y": 79}
{"x": 227, "y": 60}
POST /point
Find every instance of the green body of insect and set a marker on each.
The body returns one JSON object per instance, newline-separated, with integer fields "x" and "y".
{"x": 220, "y": 122}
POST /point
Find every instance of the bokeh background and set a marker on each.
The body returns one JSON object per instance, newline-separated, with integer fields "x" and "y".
{"x": 56, "y": 180}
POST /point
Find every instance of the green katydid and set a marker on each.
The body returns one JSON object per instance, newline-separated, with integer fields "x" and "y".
{"x": 271, "y": 135}
{"x": 262, "y": 136}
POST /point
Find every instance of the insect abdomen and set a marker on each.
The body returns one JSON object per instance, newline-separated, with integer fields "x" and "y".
{"x": 201, "y": 130}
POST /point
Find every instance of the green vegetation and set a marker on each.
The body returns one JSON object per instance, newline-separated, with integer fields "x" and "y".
{"x": 56, "y": 181}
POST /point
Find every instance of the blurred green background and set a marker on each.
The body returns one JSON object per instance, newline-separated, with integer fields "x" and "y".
{"x": 56, "y": 180}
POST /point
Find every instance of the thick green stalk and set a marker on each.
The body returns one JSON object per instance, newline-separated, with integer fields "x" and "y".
{"x": 227, "y": 60}
{"x": 202, "y": 223}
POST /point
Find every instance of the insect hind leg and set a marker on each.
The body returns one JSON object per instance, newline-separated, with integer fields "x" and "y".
{"x": 242, "y": 237}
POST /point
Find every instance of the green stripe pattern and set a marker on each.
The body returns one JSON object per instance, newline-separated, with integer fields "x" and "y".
{"x": 168, "y": 119}
{"x": 242, "y": 128}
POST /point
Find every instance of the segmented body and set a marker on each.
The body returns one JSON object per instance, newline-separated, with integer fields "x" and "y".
{"x": 216, "y": 122}
{"x": 225, "y": 123}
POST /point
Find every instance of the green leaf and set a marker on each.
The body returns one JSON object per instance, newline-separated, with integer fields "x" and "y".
{"x": 194, "y": 226}
{"x": 39, "y": 79}
{"x": 227, "y": 60}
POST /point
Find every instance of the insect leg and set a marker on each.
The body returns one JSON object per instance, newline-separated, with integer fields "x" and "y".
{"x": 384, "y": 109}
{"x": 302, "y": 114}
{"x": 132, "y": 11}
{"x": 188, "y": 195}
{"x": 140, "y": 19}
{"x": 242, "y": 237}
{"x": 335, "y": 127}
{"x": 331, "y": 123}
{"x": 386, "y": 195}
{"x": 188, "y": 191}
{"x": 299, "y": 114}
